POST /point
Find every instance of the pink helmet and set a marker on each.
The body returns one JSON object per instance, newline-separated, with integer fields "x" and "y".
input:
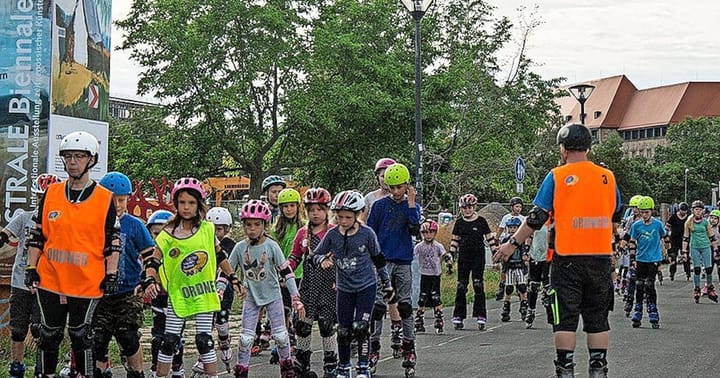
{"x": 42, "y": 182}
{"x": 188, "y": 183}
{"x": 383, "y": 163}
{"x": 317, "y": 195}
{"x": 468, "y": 200}
{"x": 429, "y": 225}
{"x": 255, "y": 209}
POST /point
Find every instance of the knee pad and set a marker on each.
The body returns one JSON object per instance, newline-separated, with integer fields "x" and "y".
{"x": 155, "y": 344}
{"x": 302, "y": 328}
{"x": 435, "y": 299}
{"x": 221, "y": 317}
{"x": 422, "y": 300}
{"x": 81, "y": 337}
{"x": 35, "y": 330}
{"x": 361, "y": 329}
{"x": 281, "y": 338}
{"x": 327, "y": 327}
{"x": 534, "y": 287}
{"x": 640, "y": 285}
{"x": 50, "y": 337}
{"x": 18, "y": 335}
{"x": 101, "y": 340}
{"x": 204, "y": 343}
{"x": 344, "y": 335}
{"x": 650, "y": 283}
{"x": 477, "y": 286}
{"x": 522, "y": 288}
{"x": 697, "y": 270}
{"x": 461, "y": 288}
{"x": 709, "y": 270}
{"x": 246, "y": 340}
{"x": 169, "y": 344}
{"x": 405, "y": 310}
{"x": 379, "y": 310}
{"x": 129, "y": 341}
{"x": 509, "y": 289}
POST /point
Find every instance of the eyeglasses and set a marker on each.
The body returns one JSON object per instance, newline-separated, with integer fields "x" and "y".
{"x": 75, "y": 155}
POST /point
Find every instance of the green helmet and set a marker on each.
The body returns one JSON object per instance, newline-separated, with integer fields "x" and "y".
{"x": 634, "y": 200}
{"x": 397, "y": 174}
{"x": 645, "y": 203}
{"x": 288, "y": 195}
{"x": 715, "y": 213}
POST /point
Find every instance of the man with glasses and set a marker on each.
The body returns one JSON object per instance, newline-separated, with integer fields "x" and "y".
{"x": 73, "y": 256}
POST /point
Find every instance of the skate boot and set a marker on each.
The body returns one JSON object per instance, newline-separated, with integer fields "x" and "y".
{"x": 481, "y": 321}
{"x": 240, "y": 371}
{"x": 17, "y": 370}
{"x": 343, "y": 371}
{"x": 653, "y": 315}
{"x": 330, "y": 362}
{"x": 505, "y": 314}
{"x": 523, "y": 309}
{"x": 500, "y": 293}
{"x": 302, "y": 364}
{"x": 374, "y": 356}
{"x": 628, "y": 306}
{"x": 637, "y": 315}
{"x": 439, "y": 322}
{"x": 704, "y": 290}
{"x": 567, "y": 371}
{"x": 362, "y": 370}
{"x": 530, "y": 318}
{"x": 274, "y": 356}
{"x": 395, "y": 330}
{"x": 287, "y": 370}
{"x": 409, "y": 358}
{"x": 226, "y": 354}
{"x": 420, "y": 321}
{"x": 597, "y": 371}
{"x": 712, "y": 295}
{"x": 179, "y": 373}
{"x": 696, "y": 294}
{"x": 198, "y": 369}
{"x": 457, "y": 322}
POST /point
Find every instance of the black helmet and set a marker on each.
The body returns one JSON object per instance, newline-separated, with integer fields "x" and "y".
{"x": 683, "y": 206}
{"x": 515, "y": 200}
{"x": 574, "y": 137}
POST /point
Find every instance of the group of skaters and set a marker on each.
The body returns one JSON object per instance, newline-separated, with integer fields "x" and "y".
{"x": 341, "y": 262}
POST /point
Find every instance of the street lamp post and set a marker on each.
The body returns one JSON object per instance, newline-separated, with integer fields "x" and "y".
{"x": 686, "y": 172}
{"x": 581, "y": 92}
{"x": 417, "y": 9}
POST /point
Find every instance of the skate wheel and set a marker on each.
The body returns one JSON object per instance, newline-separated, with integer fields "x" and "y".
{"x": 409, "y": 373}
{"x": 397, "y": 353}
{"x": 656, "y": 325}
{"x": 438, "y": 330}
{"x": 481, "y": 327}
{"x": 311, "y": 374}
{"x": 636, "y": 324}
{"x": 528, "y": 325}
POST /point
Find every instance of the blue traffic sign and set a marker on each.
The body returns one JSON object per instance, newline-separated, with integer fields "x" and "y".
{"x": 519, "y": 169}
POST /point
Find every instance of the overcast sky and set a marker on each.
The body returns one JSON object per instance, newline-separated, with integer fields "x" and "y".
{"x": 653, "y": 42}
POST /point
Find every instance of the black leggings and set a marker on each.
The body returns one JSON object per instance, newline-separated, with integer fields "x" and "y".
{"x": 55, "y": 313}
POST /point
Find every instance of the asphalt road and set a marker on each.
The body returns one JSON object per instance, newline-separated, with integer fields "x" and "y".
{"x": 684, "y": 346}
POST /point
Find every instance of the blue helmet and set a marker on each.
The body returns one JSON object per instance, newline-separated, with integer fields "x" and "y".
{"x": 159, "y": 217}
{"x": 117, "y": 183}
{"x": 513, "y": 222}
{"x": 272, "y": 180}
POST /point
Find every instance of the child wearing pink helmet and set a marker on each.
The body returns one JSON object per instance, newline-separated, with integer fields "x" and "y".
{"x": 185, "y": 262}
{"x": 430, "y": 254}
{"x": 262, "y": 264}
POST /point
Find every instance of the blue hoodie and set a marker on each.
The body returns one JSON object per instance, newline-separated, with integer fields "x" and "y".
{"x": 391, "y": 222}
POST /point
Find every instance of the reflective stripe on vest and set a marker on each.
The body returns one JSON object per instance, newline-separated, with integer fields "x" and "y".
{"x": 72, "y": 262}
{"x": 583, "y": 204}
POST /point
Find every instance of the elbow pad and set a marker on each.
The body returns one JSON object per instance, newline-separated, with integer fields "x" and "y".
{"x": 536, "y": 218}
{"x": 617, "y": 217}
{"x": 286, "y": 272}
{"x": 152, "y": 262}
{"x": 686, "y": 239}
{"x": 220, "y": 256}
{"x": 4, "y": 238}
{"x": 378, "y": 260}
{"x": 414, "y": 229}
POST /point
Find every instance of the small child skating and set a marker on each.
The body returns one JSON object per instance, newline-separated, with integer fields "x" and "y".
{"x": 646, "y": 254}
{"x": 353, "y": 249}
{"x": 516, "y": 273}
{"x": 263, "y": 264}
{"x": 430, "y": 254}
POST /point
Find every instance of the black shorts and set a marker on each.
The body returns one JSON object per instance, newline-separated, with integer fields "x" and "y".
{"x": 584, "y": 287}
{"x": 118, "y": 313}
{"x": 430, "y": 285}
{"x": 23, "y": 311}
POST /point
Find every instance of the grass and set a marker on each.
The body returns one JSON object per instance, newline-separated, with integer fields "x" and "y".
{"x": 448, "y": 285}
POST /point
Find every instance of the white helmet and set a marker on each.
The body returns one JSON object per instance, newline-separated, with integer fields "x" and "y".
{"x": 80, "y": 141}
{"x": 219, "y": 216}
{"x": 348, "y": 200}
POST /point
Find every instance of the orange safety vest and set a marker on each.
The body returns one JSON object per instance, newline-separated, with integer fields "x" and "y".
{"x": 583, "y": 205}
{"x": 72, "y": 262}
